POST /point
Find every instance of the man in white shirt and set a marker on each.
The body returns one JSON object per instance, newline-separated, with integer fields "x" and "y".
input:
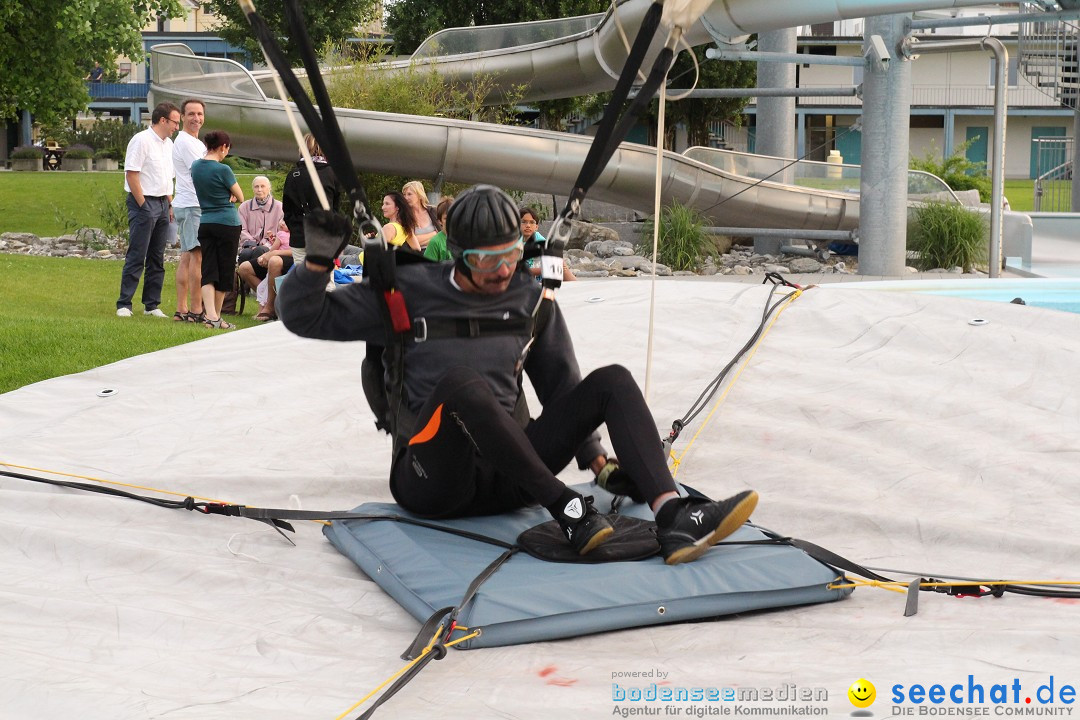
{"x": 148, "y": 178}
{"x": 187, "y": 148}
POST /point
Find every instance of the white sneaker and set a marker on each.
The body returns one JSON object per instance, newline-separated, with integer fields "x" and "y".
{"x": 123, "y": 312}
{"x": 156, "y": 312}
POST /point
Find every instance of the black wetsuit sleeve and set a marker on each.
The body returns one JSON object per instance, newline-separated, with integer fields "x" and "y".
{"x": 553, "y": 369}
{"x": 350, "y": 312}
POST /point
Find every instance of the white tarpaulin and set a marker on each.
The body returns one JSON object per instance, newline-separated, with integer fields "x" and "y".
{"x": 880, "y": 425}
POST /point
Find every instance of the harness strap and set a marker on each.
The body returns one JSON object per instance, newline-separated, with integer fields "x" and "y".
{"x": 425, "y": 329}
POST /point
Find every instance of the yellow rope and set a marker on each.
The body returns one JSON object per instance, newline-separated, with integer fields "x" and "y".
{"x": 405, "y": 668}
{"x": 900, "y": 586}
{"x": 126, "y": 485}
{"x": 676, "y": 461}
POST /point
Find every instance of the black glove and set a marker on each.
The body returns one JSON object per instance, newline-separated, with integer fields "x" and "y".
{"x": 618, "y": 482}
{"x": 326, "y": 234}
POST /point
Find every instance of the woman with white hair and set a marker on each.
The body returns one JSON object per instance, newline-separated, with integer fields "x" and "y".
{"x": 260, "y": 216}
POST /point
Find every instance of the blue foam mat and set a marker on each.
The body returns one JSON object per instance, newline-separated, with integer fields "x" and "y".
{"x": 529, "y": 600}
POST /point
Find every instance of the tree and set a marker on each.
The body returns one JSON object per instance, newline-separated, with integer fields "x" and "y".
{"x": 50, "y": 45}
{"x": 328, "y": 22}
{"x": 697, "y": 114}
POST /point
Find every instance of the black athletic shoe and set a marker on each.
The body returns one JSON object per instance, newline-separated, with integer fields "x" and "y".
{"x": 585, "y": 529}
{"x": 694, "y": 525}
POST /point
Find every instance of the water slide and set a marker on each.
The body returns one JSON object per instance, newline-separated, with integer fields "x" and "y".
{"x": 560, "y": 58}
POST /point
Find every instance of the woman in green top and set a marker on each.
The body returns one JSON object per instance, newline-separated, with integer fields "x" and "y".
{"x": 436, "y": 248}
{"x": 219, "y": 229}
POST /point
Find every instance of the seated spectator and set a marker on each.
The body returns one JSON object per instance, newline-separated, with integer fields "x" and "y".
{"x": 436, "y": 249}
{"x": 261, "y": 217}
{"x": 399, "y": 219}
{"x": 266, "y": 268}
{"x": 425, "y": 219}
{"x": 530, "y": 224}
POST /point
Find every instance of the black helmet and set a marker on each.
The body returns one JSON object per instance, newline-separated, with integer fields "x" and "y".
{"x": 481, "y": 216}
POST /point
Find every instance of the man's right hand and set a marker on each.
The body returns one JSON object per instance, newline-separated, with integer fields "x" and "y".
{"x": 326, "y": 234}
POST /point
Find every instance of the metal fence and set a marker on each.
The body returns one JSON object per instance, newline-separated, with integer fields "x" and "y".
{"x": 1053, "y": 174}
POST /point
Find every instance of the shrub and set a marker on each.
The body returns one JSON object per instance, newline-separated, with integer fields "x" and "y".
{"x": 27, "y": 152}
{"x": 946, "y": 235}
{"x": 109, "y": 154}
{"x": 241, "y": 165}
{"x": 111, "y": 134}
{"x": 112, "y": 210}
{"x": 683, "y": 243}
{"x": 79, "y": 152}
{"x": 957, "y": 171}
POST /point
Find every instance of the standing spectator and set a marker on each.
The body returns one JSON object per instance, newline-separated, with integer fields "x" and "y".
{"x": 96, "y": 73}
{"x": 187, "y": 148}
{"x": 436, "y": 249}
{"x": 298, "y": 196}
{"x": 219, "y": 230}
{"x": 148, "y": 178}
{"x": 424, "y": 216}
{"x": 399, "y": 217}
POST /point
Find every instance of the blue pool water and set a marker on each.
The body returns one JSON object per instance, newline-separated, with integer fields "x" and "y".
{"x": 1052, "y": 293}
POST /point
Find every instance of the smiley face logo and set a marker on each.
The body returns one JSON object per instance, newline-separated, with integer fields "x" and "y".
{"x": 862, "y": 693}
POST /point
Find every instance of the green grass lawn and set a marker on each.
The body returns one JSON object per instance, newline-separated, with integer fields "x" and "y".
{"x": 58, "y": 316}
{"x": 41, "y": 202}
{"x": 1021, "y": 195}
{"x": 54, "y": 203}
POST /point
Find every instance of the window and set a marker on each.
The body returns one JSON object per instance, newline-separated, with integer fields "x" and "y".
{"x": 125, "y": 71}
{"x": 1012, "y": 71}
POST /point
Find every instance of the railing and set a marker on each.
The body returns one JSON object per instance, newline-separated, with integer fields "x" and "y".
{"x": 118, "y": 91}
{"x": 174, "y": 66}
{"x": 1048, "y": 56}
{"x": 835, "y": 177}
{"x": 465, "y": 40}
{"x": 1054, "y": 174}
{"x": 1023, "y": 95}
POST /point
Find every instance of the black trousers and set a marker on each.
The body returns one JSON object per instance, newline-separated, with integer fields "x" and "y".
{"x": 469, "y": 457}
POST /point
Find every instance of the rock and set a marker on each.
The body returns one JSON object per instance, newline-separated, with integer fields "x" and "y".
{"x": 622, "y": 250}
{"x": 775, "y": 268}
{"x": 582, "y": 234}
{"x": 741, "y": 270}
{"x": 592, "y": 273}
{"x": 22, "y": 239}
{"x": 105, "y": 254}
{"x": 804, "y": 265}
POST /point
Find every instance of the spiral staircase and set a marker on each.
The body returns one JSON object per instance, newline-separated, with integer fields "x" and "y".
{"x": 1049, "y": 56}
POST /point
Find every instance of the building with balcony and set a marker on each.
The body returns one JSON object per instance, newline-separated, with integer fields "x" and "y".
{"x": 952, "y": 101}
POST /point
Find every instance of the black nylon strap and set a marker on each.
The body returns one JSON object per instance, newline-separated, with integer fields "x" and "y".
{"x": 443, "y": 328}
{"x": 331, "y": 131}
{"x": 424, "y": 635}
{"x": 598, "y": 153}
{"x": 290, "y": 514}
{"x": 832, "y": 559}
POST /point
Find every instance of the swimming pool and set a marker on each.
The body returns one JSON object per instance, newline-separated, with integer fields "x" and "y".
{"x": 1053, "y": 293}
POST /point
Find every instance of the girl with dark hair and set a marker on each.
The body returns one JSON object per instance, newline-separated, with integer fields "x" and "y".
{"x": 399, "y": 222}
{"x": 219, "y": 229}
{"x": 530, "y": 225}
